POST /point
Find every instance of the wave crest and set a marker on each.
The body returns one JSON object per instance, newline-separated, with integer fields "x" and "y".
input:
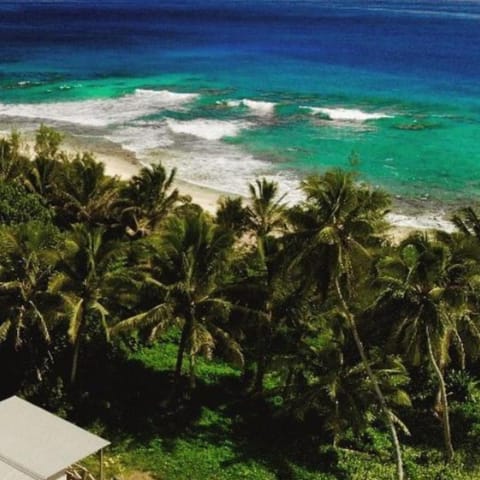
{"x": 347, "y": 114}
{"x": 257, "y": 107}
{"x": 101, "y": 112}
{"x": 206, "y": 128}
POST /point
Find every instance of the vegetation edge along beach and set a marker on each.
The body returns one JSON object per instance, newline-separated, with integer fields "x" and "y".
{"x": 123, "y": 163}
{"x": 258, "y": 341}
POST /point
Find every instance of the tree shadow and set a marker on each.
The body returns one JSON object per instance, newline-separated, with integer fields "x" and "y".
{"x": 132, "y": 400}
{"x": 278, "y": 441}
{"x": 133, "y": 404}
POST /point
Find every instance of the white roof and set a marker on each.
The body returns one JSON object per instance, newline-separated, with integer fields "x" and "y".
{"x": 10, "y": 473}
{"x": 34, "y": 444}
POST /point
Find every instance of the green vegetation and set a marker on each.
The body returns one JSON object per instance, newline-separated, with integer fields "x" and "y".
{"x": 263, "y": 342}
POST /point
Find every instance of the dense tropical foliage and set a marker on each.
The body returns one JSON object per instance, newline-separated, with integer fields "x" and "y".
{"x": 304, "y": 339}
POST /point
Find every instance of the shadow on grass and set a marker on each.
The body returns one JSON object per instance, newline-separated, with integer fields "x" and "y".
{"x": 278, "y": 441}
{"x": 134, "y": 401}
{"x": 131, "y": 403}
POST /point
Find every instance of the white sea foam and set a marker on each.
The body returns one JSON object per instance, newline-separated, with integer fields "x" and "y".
{"x": 196, "y": 150}
{"x": 423, "y": 221}
{"x": 347, "y": 114}
{"x": 202, "y": 159}
{"x": 206, "y": 128}
{"x": 257, "y": 107}
{"x": 223, "y": 167}
{"x": 141, "y": 136}
{"x": 102, "y": 112}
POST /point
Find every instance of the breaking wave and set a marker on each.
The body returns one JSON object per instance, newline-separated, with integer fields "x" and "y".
{"x": 347, "y": 114}
{"x": 257, "y": 107}
{"x": 206, "y": 128}
{"x": 101, "y": 112}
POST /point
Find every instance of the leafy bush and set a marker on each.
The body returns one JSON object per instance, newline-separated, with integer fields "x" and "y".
{"x": 19, "y": 206}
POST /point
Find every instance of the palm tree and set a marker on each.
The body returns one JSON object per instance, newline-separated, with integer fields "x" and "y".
{"x": 88, "y": 269}
{"x": 148, "y": 198}
{"x": 233, "y": 215}
{"x": 468, "y": 222}
{"x": 41, "y": 174}
{"x": 27, "y": 258}
{"x": 41, "y": 177}
{"x": 334, "y": 385}
{"x": 85, "y": 194}
{"x": 337, "y": 222}
{"x": 268, "y": 292}
{"x": 463, "y": 276}
{"x": 191, "y": 258}
{"x": 13, "y": 164}
{"x": 426, "y": 294}
{"x": 266, "y": 211}
{"x": 47, "y": 142}
{"x": 276, "y": 303}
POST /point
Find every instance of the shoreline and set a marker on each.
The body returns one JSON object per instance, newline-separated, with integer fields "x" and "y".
{"x": 124, "y": 163}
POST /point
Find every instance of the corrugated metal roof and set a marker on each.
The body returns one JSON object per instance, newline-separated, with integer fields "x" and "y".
{"x": 40, "y": 444}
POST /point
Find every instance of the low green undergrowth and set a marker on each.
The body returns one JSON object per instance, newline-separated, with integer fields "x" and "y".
{"x": 217, "y": 435}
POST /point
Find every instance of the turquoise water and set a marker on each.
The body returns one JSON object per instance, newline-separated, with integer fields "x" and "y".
{"x": 226, "y": 91}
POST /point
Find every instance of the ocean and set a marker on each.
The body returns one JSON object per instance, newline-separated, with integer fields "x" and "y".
{"x": 227, "y": 91}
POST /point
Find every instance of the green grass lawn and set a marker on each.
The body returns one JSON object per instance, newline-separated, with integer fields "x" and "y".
{"x": 208, "y": 438}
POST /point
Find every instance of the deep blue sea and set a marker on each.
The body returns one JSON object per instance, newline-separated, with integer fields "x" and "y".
{"x": 230, "y": 90}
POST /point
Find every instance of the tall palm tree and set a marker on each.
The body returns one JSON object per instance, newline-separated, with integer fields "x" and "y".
{"x": 334, "y": 385}
{"x": 337, "y": 222}
{"x": 148, "y": 198}
{"x": 269, "y": 297}
{"x": 276, "y": 303}
{"x": 233, "y": 215}
{"x": 266, "y": 211}
{"x": 426, "y": 294}
{"x": 188, "y": 268}
{"x": 88, "y": 268}
{"x": 41, "y": 176}
{"x": 27, "y": 260}
{"x": 85, "y": 193}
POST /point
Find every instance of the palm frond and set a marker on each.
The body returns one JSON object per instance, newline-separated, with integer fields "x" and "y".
{"x": 158, "y": 316}
{"x": 75, "y": 320}
{"x": 4, "y": 329}
{"x": 42, "y": 322}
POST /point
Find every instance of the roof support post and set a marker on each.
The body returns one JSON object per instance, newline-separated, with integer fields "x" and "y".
{"x": 102, "y": 473}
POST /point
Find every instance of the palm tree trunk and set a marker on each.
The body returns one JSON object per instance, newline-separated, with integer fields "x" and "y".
{"x": 76, "y": 355}
{"x": 288, "y": 381}
{"x": 260, "y": 373}
{"x": 383, "y": 403}
{"x": 263, "y": 346}
{"x": 180, "y": 352}
{"x": 192, "y": 380}
{"x": 186, "y": 334}
{"x": 248, "y": 378}
{"x": 447, "y": 437}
